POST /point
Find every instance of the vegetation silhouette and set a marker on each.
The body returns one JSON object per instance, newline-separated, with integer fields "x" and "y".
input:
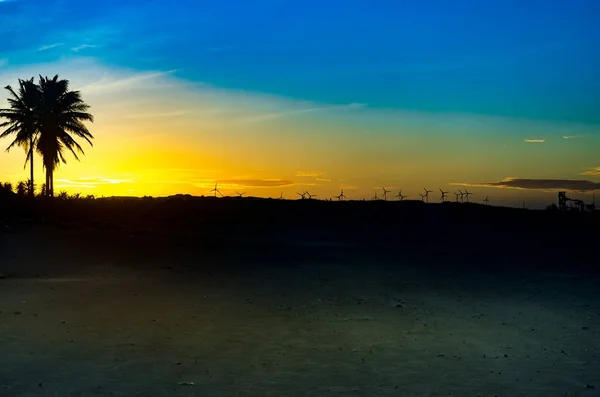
{"x": 21, "y": 122}
{"x": 45, "y": 117}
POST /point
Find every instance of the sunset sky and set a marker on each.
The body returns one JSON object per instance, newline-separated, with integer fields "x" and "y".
{"x": 271, "y": 96}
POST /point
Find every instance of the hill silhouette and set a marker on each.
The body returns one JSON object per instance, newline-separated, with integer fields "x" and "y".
{"x": 448, "y": 232}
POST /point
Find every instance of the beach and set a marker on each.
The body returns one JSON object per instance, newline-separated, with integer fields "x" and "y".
{"x": 107, "y": 318}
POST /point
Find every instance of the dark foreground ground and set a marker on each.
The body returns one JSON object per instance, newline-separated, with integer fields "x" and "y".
{"x": 180, "y": 298}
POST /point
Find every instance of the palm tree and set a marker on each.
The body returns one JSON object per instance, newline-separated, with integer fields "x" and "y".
{"x": 22, "y": 189}
{"x": 22, "y": 120}
{"x": 43, "y": 190}
{"x": 61, "y": 112}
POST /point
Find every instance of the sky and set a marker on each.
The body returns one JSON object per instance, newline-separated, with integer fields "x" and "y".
{"x": 272, "y": 96}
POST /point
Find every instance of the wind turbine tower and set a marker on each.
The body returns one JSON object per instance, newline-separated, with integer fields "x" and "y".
{"x": 467, "y": 194}
{"x": 427, "y": 195}
{"x": 341, "y": 196}
{"x": 385, "y": 192}
{"x": 443, "y": 198}
{"x": 310, "y": 196}
{"x": 216, "y": 190}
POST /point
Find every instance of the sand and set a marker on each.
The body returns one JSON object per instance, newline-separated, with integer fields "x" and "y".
{"x": 97, "y": 318}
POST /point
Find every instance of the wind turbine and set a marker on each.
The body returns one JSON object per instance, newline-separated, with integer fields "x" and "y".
{"x": 385, "y": 192}
{"x": 310, "y": 196}
{"x": 422, "y": 196}
{"x": 375, "y": 197}
{"x": 341, "y": 196}
{"x": 427, "y": 194}
{"x": 467, "y": 194}
{"x": 456, "y": 194}
{"x": 302, "y": 195}
{"x": 443, "y": 195}
{"x": 400, "y": 196}
{"x": 281, "y": 196}
{"x": 240, "y": 194}
{"x": 486, "y": 201}
{"x": 216, "y": 190}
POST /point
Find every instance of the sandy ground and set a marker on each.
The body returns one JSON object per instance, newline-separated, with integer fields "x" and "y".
{"x": 95, "y": 321}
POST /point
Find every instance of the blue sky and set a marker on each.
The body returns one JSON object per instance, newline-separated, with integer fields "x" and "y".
{"x": 534, "y": 61}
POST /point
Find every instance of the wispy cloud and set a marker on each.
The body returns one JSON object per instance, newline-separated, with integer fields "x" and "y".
{"x": 89, "y": 183}
{"x": 573, "y": 185}
{"x": 571, "y": 136}
{"x": 83, "y": 47}
{"x": 156, "y": 115}
{"x": 594, "y": 172}
{"x": 308, "y": 174}
{"x": 108, "y": 83}
{"x": 254, "y": 182}
{"x": 535, "y": 140}
{"x": 286, "y": 113}
{"x": 49, "y": 46}
{"x": 319, "y": 176}
{"x": 95, "y": 181}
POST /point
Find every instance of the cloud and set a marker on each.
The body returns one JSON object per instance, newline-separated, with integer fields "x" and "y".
{"x": 49, "y": 46}
{"x": 573, "y": 185}
{"x": 285, "y": 113}
{"x": 83, "y": 47}
{"x": 108, "y": 83}
{"x": 319, "y": 176}
{"x": 156, "y": 115}
{"x": 594, "y": 172}
{"x": 571, "y": 136}
{"x": 92, "y": 181}
{"x": 255, "y": 182}
{"x": 535, "y": 140}
{"x": 309, "y": 174}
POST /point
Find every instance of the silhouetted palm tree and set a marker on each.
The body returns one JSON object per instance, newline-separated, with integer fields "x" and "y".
{"x": 46, "y": 117}
{"x": 22, "y": 189}
{"x": 22, "y": 120}
{"x": 61, "y": 114}
{"x": 30, "y": 187}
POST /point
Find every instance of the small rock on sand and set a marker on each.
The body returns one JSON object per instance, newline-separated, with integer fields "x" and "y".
{"x": 186, "y": 383}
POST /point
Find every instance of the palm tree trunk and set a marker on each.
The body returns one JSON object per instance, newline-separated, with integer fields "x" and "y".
{"x": 31, "y": 186}
{"x": 51, "y": 180}
{"x": 47, "y": 184}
